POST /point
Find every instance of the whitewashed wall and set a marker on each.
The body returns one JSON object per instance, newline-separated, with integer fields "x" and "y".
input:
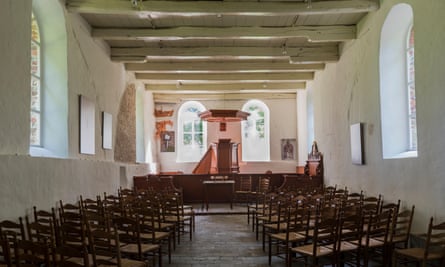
{"x": 26, "y": 180}
{"x": 348, "y": 92}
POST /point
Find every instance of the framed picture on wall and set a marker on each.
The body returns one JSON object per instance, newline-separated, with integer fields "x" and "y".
{"x": 288, "y": 147}
{"x": 357, "y": 154}
{"x": 168, "y": 141}
{"x": 107, "y": 130}
{"x": 87, "y": 125}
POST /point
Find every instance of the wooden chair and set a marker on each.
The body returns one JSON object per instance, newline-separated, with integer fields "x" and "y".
{"x": 276, "y": 223}
{"x": 91, "y": 205}
{"x": 350, "y": 234}
{"x": 257, "y": 196}
{"x": 264, "y": 215}
{"x": 132, "y": 246}
{"x": 148, "y": 217}
{"x": 30, "y": 254}
{"x": 48, "y": 218}
{"x": 323, "y": 244}
{"x": 5, "y": 252}
{"x": 10, "y": 232}
{"x": 401, "y": 229}
{"x": 244, "y": 190}
{"x": 296, "y": 227}
{"x": 160, "y": 224}
{"x": 72, "y": 230}
{"x": 432, "y": 253}
{"x": 375, "y": 237}
{"x": 173, "y": 212}
{"x": 68, "y": 256}
{"x": 42, "y": 233}
{"x": 105, "y": 249}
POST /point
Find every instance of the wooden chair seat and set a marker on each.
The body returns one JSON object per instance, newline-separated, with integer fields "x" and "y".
{"x": 308, "y": 250}
{"x": 373, "y": 242}
{"x": 275, "y": 226}
{"x": 293, "y": 236}
{"x": 132, "y": 263}
{"x": 133, "y": 249}
{"x": 345, "y": 246}
{"x": 432, "y": 252}
{"x": 418, "y": 254}
{"x": 155, "y": 235}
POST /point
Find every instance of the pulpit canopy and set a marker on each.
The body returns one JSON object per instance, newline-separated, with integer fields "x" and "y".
{"x": 223, "y": 115}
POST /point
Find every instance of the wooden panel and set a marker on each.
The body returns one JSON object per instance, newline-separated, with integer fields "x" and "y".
{"x": 192, "y": 187}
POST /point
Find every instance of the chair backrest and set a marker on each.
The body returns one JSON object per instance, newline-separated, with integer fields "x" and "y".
{"x": 89, "y": 204}
{"x": 48, "y": 218}
{"x": 5, "y": 251}
{"x": 245, "y": 183}
{"x": 104, "y": 246}
{"x": 298, "y": 221}
{"x": 401, "y": 229}
{"x": 325, "y": 234}
{"x": 263, "y": 185}
{"x": 129, "y": 232}
{"x": 435, "y": 240}
{"x": 10, "y": 232}
{"x": 378, "y": 226}
{"x": 350, "y": 229}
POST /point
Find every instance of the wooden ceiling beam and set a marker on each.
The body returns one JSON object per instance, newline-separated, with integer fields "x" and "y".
{"x": 186, "y": 86}
{"x": 262, "y": 76}
{"x": 314, "y": 53}
{"x": 146, "y": 8}
{"x": 221, "y": 66}
{"x": 312, "y": 33}
{"x": 176, "y": 98}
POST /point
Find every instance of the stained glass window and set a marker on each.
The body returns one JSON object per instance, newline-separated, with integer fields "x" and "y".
{"x": 411, "y": 91}
{"x": 35, "y": 134}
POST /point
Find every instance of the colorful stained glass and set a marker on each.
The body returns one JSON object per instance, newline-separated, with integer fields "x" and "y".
{"x": 35, "y": 84}
{"x": 412, "y": 118}
{"x": 35, "y": 128}
{"x": 35, "y": 94}
{"x": 35, "y": 59}
{"x": 35, "y": 32}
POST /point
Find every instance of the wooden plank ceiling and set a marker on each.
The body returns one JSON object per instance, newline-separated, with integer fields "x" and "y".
{"x": 230, "y": 49}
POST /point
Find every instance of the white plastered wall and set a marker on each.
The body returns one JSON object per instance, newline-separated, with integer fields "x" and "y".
{"x": 26, "y": 180}
{"x": 347, "y": 92}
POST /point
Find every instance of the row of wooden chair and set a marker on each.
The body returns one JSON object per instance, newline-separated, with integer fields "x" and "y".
{"x": 128, "y": 228}
{"x": 291, "y": 218}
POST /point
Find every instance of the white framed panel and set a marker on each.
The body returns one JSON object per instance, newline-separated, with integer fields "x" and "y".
{"x": 87, "y": 123}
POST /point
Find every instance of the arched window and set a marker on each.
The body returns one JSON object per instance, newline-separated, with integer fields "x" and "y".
{"x": 412, "y": 120}
{"x": 49, "y": 80}
{"x": 35, "y": 84}
{"x": 255, "y": 132}
{"x": 192, "y": 132}
{"x": 397, "y": 84}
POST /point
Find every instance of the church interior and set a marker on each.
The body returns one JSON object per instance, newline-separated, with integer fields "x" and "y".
{"x": 210, "y": 100}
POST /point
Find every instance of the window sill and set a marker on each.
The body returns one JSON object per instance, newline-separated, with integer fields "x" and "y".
{"x": 41, "y": 152}
{"x": 403, "y": 155}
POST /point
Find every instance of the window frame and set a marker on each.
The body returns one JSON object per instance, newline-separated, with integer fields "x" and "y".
{"x": 36, "y": 75}
{"x": 190, "y": 153}
{"x": 396, "y": 131}
{"x": 252, "y": 152}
